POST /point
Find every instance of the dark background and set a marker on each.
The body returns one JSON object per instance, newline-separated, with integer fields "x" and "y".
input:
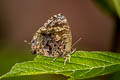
{"x": 19, "y": 19}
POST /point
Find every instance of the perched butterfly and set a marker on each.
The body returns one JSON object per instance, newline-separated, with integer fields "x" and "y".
{"x": 53, "y": 39}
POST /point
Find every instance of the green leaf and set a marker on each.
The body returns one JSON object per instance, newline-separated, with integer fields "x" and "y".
{"x": 83, "y": 65}
{"x": 117, "y": 6}
{"x": 111, "y": 7}
{"x": 115, "y": 76}
{"x": 106, "y": 6}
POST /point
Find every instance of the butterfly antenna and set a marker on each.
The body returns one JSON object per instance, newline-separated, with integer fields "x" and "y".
{"x": 76, "y": 42}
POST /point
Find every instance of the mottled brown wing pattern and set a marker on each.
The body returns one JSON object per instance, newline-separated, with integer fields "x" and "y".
{"x": 53, "y": 39}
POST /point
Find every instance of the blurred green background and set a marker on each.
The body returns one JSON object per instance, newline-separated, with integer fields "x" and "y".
{"x": 96, "y": 21}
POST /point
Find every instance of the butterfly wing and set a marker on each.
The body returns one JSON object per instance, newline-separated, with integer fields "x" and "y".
{"x": 54, "y": 38}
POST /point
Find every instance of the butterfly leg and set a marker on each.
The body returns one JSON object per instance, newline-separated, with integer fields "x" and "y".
{"x": 68, "y": 57}
{"x": 73, "y": 50}
{"x": 54, "y": 59}
{"x": 65, "y": 60}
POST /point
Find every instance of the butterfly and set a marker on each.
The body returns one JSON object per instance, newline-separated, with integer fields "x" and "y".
{"x": 53, "y": 39}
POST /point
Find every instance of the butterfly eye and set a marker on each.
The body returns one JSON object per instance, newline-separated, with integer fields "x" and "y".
{"x": 32, "y": 41}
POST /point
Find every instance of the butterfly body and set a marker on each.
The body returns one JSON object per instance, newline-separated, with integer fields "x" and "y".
{"x": 54, "y": 38}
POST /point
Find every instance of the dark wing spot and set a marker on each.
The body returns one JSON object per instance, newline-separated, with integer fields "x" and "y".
{"x": 34, "y": 52}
